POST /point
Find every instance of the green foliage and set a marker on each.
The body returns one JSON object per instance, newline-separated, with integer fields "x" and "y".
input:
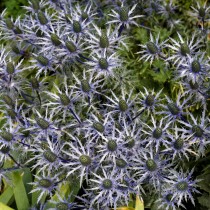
{"x": 14, "y": 7}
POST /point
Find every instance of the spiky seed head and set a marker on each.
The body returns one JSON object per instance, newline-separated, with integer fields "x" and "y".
{"x": 7, "y": 136}
{"x": 5, "y": 149}
{"x": 182, "y": 186}
{"x": 151, "y": 165}
{"x": 173, "y": 108}
{"x": 157, "y": 133}
{"x": 8, "y": 100}
{"x": 193, "y": 85}
{"x": 152, "y": 48}
{"x": 55, "y": 39}
{"x": 197, "y": 130}
{"x": 123, "y": 106}
{"x": 9, "y": 23}
{"x": 34, "y": 83}
{"x": 150, "y": 100}
{"x": 46, "y": 183}
{"x": 77, "y": 28}
{"x": 121, "y": 163}
{"x": 112, "y": 145}
{"x": 10, "y": 68}
{"x": 107, "y": 184}
{"x": 103, "y": 63}
{"x": 85, "y": 86}
{"x": 84, "y": 16}
{"x": 178, "y": 144}
{"x": 42, "y": 60}
{"x": 184, "y": 49}
{"x": 130, "y": 142}
{"x": 123, "y": 13}
{"x": 42, "y": 123}
{"x": 64, "y": 99}
{"x": 71, "y": 46}
{"x": 85, "y": 160}
{"x": 50, "y": 156}
{"x": 103, "y": 40}
{"x": 98, "y": 126}
{"x": 35, "y": 4}
{"x": 62, "y": 206}
{"x": 42, "y": 18}
{"x": 195, "y": 66}
{"x": 11, "y": 113}
{"x": 202, "y": 12}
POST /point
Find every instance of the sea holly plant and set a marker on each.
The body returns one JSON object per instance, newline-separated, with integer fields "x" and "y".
{"x": 105, "y": 105}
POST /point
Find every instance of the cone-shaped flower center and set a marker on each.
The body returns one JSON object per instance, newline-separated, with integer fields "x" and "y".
{"x": 150, "y": 99}
{"x": 151, "y": 165}
{"x": 152, "y": 48}
{"x": 98, "y": 126}
{"x": 195, "y": 66}
{"x": 50, "y": 156}
{"x": 85, "y": 160}
{"x": 112, "y": 145}
{"x": 123, "y": 13}
{"x": 173, "y": 108}
{"x": 157, "y": 133}
{"x": 178, "y": 144}
{"x": 182, "y": 185}
{"x": 107, "y": 184}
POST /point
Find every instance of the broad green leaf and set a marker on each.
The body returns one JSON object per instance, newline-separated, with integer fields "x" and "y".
{"x": 7, "y": 197}
{"x": 4, "y": 207}
{"x": 139, "y": 204}
{"x": 125, "y": 208}
{"x": 20, "y": 191}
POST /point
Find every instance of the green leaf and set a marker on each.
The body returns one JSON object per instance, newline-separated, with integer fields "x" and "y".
{"x": 7, "y": 197}
{"x": 204, "y": 200}
{"x": 4, "y": 207}
{"x": 20, "y": 191}
{"x": 139, "y": 204}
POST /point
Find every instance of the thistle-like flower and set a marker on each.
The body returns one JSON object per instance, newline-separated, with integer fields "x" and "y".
{"x": 150, "y": 167}
{"x": 174, "y": 110}
{"x": 157, "y": 134}
{"x": 103, "y": 64}
{"x": 80, "y": 158}
{"x": 151, "y": 50}
{"x": 123, "y": 17}
{"x": 195, "y": 69}
{"x": 199, "y": 127}
{"x": 182, "y": 49}
{"x": 46, "y": 184}
{"x": 182, "y": 186}
{"x": 201, "y": 12}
